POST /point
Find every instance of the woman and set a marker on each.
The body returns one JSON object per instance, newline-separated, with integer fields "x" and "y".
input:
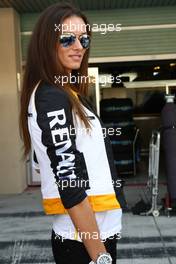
{"x": 75, "y": 159}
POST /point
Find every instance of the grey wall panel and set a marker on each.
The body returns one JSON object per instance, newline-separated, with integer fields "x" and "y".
{"x": 126, "y": 42}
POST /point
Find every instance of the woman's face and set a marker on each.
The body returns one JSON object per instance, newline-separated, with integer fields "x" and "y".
{"x": 71, "y": 56}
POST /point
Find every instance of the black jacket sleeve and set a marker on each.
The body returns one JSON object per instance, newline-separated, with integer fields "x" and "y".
{"x": 54, "y": 117}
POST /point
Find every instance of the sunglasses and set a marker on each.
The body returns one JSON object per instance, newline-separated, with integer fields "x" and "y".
{"x": 69, "y": 39}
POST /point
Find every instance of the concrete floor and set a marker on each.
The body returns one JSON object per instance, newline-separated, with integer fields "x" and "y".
{"x": 25, "y": 232}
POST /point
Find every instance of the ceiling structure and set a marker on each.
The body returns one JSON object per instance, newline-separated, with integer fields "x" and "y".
{"x": 27, "y": 6}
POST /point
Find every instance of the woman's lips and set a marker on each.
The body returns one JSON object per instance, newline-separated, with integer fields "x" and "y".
{"x": 76, "y": 57}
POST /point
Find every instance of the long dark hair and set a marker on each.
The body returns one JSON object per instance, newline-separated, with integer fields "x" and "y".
{"x": 43, "y": 64}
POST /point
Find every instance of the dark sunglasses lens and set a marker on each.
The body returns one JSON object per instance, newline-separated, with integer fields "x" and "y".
{"x": 67, "y": 40}
{"x": 85, "y": 41}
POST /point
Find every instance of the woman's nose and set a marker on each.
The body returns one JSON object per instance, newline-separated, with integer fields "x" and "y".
{"x": 77, "y": 44}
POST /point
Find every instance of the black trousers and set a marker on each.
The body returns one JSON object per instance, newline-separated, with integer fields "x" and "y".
{"x": 70, "y": 251}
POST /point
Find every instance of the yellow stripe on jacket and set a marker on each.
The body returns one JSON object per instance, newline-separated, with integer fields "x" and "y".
{"x": 98, "y": 203}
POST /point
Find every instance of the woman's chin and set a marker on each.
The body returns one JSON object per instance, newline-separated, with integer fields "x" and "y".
{"x": 75, "y": 66}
